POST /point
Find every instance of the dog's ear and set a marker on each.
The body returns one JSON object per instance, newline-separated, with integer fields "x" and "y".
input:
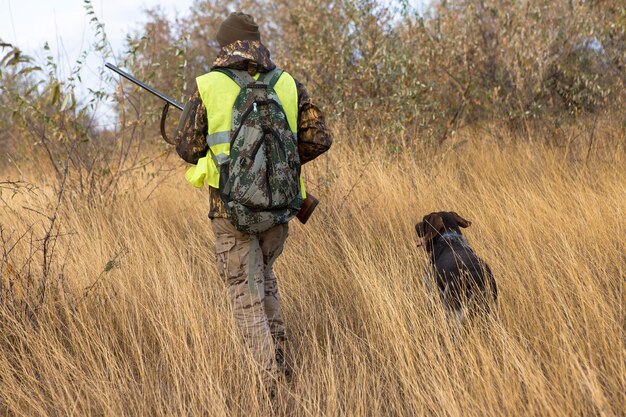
{"x": 432, "y": 225}
{"x": 419, "y": 229}
{"x": 460, "y": 220}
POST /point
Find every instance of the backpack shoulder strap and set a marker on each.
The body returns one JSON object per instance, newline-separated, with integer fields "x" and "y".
{"x": 270, "y": 78}
{"x": 242, "y": 78}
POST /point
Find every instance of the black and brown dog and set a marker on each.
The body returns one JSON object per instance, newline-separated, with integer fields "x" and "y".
{"x": 465, "y": 282}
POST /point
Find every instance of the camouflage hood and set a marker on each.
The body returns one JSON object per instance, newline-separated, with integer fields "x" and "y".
{"x": 252, "y": 56}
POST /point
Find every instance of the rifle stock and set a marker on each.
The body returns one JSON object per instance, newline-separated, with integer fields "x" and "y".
{"x": 307, "y": 207}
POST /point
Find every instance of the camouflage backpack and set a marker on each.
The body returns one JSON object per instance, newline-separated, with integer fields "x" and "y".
{"x": 260, "y": 183}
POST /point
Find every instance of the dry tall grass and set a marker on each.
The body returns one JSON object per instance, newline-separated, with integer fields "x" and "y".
{"x": 153, "y": 336}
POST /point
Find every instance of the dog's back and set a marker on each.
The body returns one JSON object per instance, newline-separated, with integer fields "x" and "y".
{"x": 462, "y": 277}
{"x": 465, "y": 281}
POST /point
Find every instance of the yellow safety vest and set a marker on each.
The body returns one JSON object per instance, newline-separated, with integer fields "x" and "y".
{"x": 218, "y": 93}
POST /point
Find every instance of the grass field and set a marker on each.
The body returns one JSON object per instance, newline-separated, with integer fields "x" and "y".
{"x": 132, "y": 319}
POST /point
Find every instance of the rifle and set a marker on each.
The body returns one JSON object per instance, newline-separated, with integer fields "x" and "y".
{"x": 168, "y": 100}
{"x": 307, "y": 207}
{"x": 309, "y": 203}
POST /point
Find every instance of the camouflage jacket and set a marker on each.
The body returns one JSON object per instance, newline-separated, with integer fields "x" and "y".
{"x": 253, "y": 56}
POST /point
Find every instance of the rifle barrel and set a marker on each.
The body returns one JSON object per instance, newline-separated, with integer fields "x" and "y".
{"x": 157, "y": 93}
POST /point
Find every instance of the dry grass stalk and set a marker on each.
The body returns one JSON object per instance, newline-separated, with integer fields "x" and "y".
{"x": 141, "y": 325}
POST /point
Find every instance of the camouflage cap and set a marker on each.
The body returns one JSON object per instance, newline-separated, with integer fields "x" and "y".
{"x": 237, "y": 26}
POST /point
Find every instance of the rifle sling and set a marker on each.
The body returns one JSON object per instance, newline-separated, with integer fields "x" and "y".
{"x": 163, "y": 117}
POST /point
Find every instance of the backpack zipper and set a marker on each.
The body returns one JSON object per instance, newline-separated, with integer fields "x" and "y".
{"x": 268, "y": 167}
{"x": 242, "y": 121}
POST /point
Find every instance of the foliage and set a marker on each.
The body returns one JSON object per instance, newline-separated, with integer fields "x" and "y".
{"x": 369, "y": 64}
{"x": 42, "y": 118}
{"x": 373, "y": 64}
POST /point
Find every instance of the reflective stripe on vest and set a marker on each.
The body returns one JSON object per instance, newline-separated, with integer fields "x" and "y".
{"x": 218, "y": 93}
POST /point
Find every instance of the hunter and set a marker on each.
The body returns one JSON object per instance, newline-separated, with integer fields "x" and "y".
{"x": 247, "y": 128}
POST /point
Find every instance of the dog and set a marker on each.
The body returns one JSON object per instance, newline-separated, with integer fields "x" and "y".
{"x": 465, "y": 282}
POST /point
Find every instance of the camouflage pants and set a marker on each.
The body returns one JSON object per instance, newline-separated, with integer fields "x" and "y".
{"x": 245, "y": 264}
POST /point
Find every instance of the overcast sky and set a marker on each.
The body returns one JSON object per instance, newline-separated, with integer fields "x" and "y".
{"x": 64, "y": 24}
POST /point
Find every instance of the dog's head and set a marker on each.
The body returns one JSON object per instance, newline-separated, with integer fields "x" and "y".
{"x": 437, "y": 223}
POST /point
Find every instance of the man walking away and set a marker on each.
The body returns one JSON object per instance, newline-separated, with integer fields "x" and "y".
{"x": 247, "y": 128}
